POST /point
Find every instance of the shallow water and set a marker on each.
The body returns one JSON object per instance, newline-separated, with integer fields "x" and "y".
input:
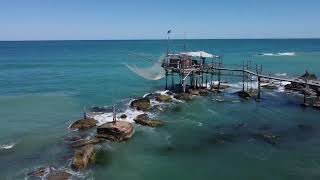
{"x": 45, "y": 85}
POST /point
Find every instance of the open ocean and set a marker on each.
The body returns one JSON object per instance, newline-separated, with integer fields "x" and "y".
{"x": 44, "y": 86}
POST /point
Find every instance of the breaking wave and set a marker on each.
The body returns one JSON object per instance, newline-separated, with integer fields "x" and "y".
{"x": 7, "y": 146}
{"x": 278, "y": 54}
{"x": 154, "y": 72}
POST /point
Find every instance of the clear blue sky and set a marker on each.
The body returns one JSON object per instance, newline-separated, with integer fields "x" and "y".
{"x": 150, "y": 19}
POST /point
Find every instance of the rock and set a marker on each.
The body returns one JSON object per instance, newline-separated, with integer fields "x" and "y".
{"x": 83, "y": 124}
{"x": 144, "y": 120}
{"x": 183, "y": 96}
{"x": 305, "y": 76}
{"x": 123, "y": 116}
{"x": 271, "y": 139}
{"x": 59, "y": 175}
{"x": 163, "y": 98}
{"x": 269, "y": 86}
{"x": 82, "y": 157}
{"x": 142, "y": 104}
{"x": 244, "y": 94}
{"x": 294, "y": 86}
{"x": 203, "y": 92}
{"x": 222, "y": 86}
{"x": 40, "y": 172}
{"x": 152, "y": 95}
{"x": 118, "y": 131}
{"x": 194, "y": 92}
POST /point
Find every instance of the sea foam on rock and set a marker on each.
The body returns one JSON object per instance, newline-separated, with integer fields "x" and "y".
{"x": 83, "y": 156}
{"x": 115, "y": 131}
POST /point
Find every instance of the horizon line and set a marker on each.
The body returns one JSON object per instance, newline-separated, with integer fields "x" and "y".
{"x": 156, "y": 39}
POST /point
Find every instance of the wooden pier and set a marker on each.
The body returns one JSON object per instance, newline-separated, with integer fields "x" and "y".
{"x": 194, "y": 66}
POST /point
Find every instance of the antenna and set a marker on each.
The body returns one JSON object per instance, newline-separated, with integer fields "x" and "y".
{"x": 168, "y": 33}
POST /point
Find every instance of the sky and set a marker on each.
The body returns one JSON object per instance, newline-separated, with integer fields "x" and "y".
{"x": 151, "y": 19}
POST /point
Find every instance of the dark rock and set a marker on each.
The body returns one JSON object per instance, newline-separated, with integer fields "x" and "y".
{"x": 59, "y": 175}
{"x": 309, "y": 76}
{"x": 163, "y": 98}
{"x": 270, "y": 86}
{"x": 40, "y": 172}
{"x": 221, "y": 87}
{"x": 194, "y": 92}
{"x": 82, "y": 157}
{"x": 203, "y": 92}
{"x": 244, "y": 94}
{"x": 144, "y": 120}
{"x": 83, "y": 124}
{"x": 123, "y": 116}
{"x": 183, "y": 96}
{"x": 142, "y": 104}
{"x": 270, "y": 138}
{"x": 294, "y": 86}
{"x": 118, "y": 131}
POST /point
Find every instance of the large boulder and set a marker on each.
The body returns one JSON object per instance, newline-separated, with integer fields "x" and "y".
{"x": 163, "y": 98}
{"x": 294, "y": 86}
{"x": 115, "y": 131}
{"x": 59, "y": 175}
{"x": 194, "y": 92}
{"x": 83, "y": 124}
{"x": 142, "y": 104}
{"x": 183, "y": 96}
{"x": 83, "y": 156}
{"x": 144, "y": 120}
{"x": 244, "y": 94}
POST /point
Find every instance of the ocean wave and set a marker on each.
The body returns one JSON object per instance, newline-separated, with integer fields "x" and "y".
{"x": 278, "y": 54}
{"x": 7, "y": 146}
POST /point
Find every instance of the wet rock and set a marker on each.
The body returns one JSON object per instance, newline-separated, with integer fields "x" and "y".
{"x": 158, "y": 108}
{"x": 123, "y": 116}
{"x": 222, "y": 86}
{"x": 309, "y": 76}
{"x": 152, "y": 95}
{"x": 183, "y": 96}
{"x": 270, "y": 138}
{"x": 118, "y": 131}
{"x": 82, "y": 157}
{"x": 194, "y": 92}
{"x": 204, "y": 92}
{"x": 244, "y": 94}
{"x": 142, "y": 104}
{"x": 40, "y": 172}
{"x": 294, "y": 86}
{"x": 59, "y": 175}
{"x": 163, "y": 98}
{"x": 83, "y": 124}
{"x": 144, "y": 120}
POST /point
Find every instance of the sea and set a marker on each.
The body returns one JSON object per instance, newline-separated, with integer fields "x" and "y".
{"x": 47, "y": 85}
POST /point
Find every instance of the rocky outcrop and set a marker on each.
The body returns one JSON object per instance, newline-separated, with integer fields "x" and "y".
{"x": 244, "y": 94}
{"x": 203, "y": 92}
{"x": 123, "y": 116}
{"x": 59, "y": 175}
{"x": 163, "y": 98}
{"x": 294, "y": 86}
{"x": 144, "y": 120}
{"x": 115, "y": 131}
{"x": 194, "y": 92}
{"x": 183, "y": 96}
{"x": 83, "y": 156}
{"x": 83, "y": 124}
{"x": 142, "y": 104}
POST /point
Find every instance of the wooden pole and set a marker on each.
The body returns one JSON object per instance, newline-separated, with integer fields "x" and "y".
{"x": 172, "y": 80}
{"x": 84, "y": 112}
{"x": 166, "y": 80}
{"x": 243, "y": 77}
{"x": 219, "y": 74}
{"x": 259, "y": 82}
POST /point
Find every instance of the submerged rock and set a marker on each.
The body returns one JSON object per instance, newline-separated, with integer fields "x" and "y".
{"x": 244, "y": 94}
{"x": 83, "y": 156}
{"x": 144, "y": 120}
{"x": 270, "y": 138}
{"x": 118, "y": 131}
{"x": 83, "y": 124}
{"x": 59, "y": 175}
{"x": 194, "y": 92}
{"x": 183, "y": 96}
{"x": 204, "y": 92}
{"x": 85, "y": 142}
{"x": 142, "y": 104}
{"x": 163, "y": 98}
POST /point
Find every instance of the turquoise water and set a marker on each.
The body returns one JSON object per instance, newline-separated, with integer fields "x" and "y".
{"x": 45, "y": 85}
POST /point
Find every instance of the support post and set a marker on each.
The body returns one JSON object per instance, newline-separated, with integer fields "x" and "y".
{"x": 84, "y": 112}
{"x": 166, "y": 80}
{"x": 172, "y": 81}
{"x": 243, "y": 77}
{"x": 219, "y": 76}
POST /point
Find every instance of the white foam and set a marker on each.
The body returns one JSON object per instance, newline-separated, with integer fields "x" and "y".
{"x": 108, "y": 117}
{"x": 278, "y": 54}
{"x": 7, "y": 146}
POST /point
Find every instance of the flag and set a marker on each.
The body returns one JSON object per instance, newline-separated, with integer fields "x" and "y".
{"x": 169, "y": 31}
